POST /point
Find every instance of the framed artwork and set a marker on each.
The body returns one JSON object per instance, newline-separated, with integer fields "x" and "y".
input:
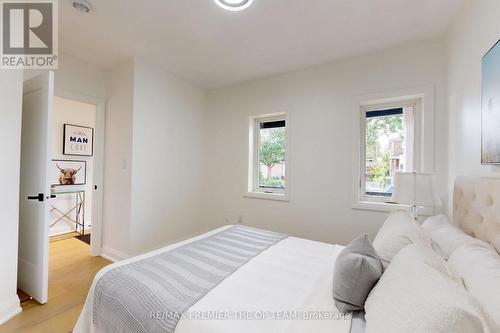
{"x": 490, "y": 109}
{"x": 78, "y": 140}
{"x": 66, "y": 172}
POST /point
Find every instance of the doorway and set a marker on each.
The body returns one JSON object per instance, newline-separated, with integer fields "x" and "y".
{"x": 72, "y": 170}
{"x": 95, "y": 182}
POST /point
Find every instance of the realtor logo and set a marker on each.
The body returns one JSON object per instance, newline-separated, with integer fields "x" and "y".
{"x": 29, "y": 34}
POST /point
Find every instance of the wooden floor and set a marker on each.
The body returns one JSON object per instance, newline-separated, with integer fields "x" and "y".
{"x": 71, "y": 270}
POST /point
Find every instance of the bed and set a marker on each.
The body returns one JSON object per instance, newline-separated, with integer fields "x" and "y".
{"x": 291, "y": 278}
{"x": 263, "y": 281}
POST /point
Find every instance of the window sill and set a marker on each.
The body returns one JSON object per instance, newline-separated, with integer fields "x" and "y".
{"x": 377, "y": 206}
{"x": 389, "y": 207}
{"x": 267, "y": 196}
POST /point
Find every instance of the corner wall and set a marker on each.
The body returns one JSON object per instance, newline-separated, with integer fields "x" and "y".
{"x": 154, "y": 159}
{"x": 474, "y": 32}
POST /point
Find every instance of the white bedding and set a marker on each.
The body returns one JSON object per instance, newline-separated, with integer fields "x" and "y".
{"x": 292, "y": 278}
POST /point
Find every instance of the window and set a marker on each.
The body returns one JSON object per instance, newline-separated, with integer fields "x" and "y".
{"x": 388, "y": 146}
{"x": 268, "y": 174}
{"x": 394, "y": 132}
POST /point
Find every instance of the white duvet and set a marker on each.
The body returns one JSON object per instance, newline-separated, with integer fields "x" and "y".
{"x": 290, "y": 280}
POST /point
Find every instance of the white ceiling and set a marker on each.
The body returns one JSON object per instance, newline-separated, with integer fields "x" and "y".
{"x": 212, "y": 47}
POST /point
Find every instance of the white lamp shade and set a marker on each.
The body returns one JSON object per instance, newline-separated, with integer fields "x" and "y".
{"x": 416, "y": 189}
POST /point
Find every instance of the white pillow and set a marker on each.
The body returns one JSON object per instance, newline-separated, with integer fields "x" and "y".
{"x": 398, "y": 231}
{"x": 447, "y": 236}
{"x": 479, "y": 268}
{"x": 416, "y": 294}
{"x": 422, "y": 253}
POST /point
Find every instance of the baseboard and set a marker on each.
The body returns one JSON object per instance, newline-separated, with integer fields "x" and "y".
{"x": 113, "y": 254}
{"x": 9, "y": 309}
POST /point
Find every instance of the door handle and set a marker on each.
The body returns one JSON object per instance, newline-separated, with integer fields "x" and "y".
{"x": 52, "y": 196}
{"x": 39, "y": 197}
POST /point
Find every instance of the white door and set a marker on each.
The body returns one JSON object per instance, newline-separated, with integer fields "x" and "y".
{"x": 33, "y": 267}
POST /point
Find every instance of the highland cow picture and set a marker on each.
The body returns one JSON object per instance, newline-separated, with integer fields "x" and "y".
{"x": 490, "y": 129}
{"x": 64, "y": 172}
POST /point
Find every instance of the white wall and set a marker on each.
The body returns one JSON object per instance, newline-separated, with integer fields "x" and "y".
{"x": 11, "y": 85}
{"x": 76, "y": 77}
{"x": 79, "y": 77}
{"x": 321, "y": 105}
{"x": 67, "y": 111}
{"x": 118, "y": 160}
{"x": 167, "y": 167}
{"x": 474, "y": 32}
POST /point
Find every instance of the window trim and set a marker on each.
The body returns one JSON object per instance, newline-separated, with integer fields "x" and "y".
{"x": 424, "y": 138}
{"x": 253, "y": 189}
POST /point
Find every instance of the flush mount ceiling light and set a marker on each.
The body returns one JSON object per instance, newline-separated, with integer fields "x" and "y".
{"x": 83, "y": 6}
{"x": 234, "y": 5}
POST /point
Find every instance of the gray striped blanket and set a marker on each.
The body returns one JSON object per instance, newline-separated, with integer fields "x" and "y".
{"x": 150, "y": 295}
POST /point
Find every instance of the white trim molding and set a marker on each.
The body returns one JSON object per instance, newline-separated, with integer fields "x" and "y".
{"x": 424, "y": 139}
{"x": 267, "y": 196}
{"x": 113, "y": 255}
{"x": 9, "y": 308}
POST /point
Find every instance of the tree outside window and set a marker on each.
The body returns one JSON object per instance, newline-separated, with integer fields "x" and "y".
{"x": 384, "y": 149}
{"x": 272, "y": 152}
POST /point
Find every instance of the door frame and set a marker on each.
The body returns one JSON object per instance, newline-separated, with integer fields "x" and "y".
{"x": 98, "y": 177}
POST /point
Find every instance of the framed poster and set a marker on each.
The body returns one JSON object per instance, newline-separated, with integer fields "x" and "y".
{"x": 490, "y": 110}
{"x": 66, "y": 172}
{"x": 78, "y": 140}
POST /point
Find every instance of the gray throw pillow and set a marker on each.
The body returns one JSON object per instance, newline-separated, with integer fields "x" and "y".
{"x": 357, "y": 270}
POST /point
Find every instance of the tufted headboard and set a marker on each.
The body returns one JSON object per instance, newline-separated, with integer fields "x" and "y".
{"x": 476, "y": 208}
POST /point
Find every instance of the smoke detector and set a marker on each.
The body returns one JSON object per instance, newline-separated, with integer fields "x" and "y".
{"x": 83, "y": 6}
{"x": 234, "y": 5}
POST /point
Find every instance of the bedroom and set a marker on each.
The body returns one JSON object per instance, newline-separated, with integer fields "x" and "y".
{"x": 179, "y": 102}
